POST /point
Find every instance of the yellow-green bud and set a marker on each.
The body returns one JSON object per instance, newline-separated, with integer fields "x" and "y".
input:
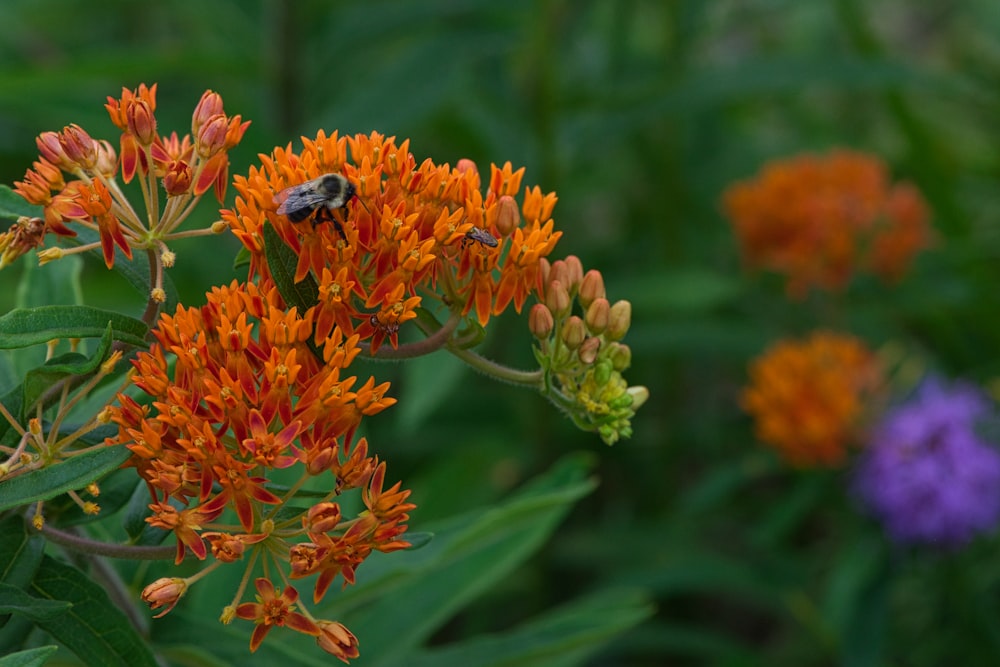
{"x": 589, "y": 349}
{"x": 574, "y": 332}
{"x": 597, "y": 316}
{"x": 620, "y": 320}
{"x": 591, "y": 287}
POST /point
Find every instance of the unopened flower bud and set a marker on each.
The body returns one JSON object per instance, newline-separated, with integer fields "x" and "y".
{"x": 591, "y": 287}
{"x": 177, "y": 179}
{"x": 49, "y": 254}
{"x": 597, "y": 316}
{"x": 107, "y": 159}
{"x": 540, "y": 321}
{"x": 508, "y": 216}
{"x": 220, "y": 226}
{"x": 209, "y": 105}
{"x": 465, "y": 164}
{"x": 211, "y": 137}
{"x": 50, "y": 148}
{"x": 574, "y": 332}
{"x": 574, "y": 273}
{"x": 620, "y": 356}
{"x": 639, "y": 396}
{"x": 141, "y": 122}
{"x": 544, "y": 270}
{"x": 620, "y": 320}
{"x": 559, "y": 272}
{"x": 589, "y": 349}
{"x": 337, "y": 640}
{"x": 80, "y": 149}
{"x": 322, "y": 517}
{"x": 557, "y": 299}
{"x": 164, "y": 592}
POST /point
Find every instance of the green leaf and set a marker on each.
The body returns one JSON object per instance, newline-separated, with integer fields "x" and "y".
{"x": 94, "y": 629}
{"x": 71, "y": 474}
{"x": 242, "y": 258}
{"x": 282, "y": 261}
{"x": 54, "y": 283}
{"x": 31, "y": 326}
{"x": 35, "y": 657}
{"x": 565, "y": 636}
{"x": 469, "y": 554}
{"x": 427, "y": 380}
{"x": 40, "y": 380}
{"x": 13, "y": 206}
{"x": 20, "y": 555}
{"x": 16, "y": 601}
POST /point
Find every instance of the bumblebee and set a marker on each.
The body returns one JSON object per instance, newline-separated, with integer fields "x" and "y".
{"x": 317, "y": 198}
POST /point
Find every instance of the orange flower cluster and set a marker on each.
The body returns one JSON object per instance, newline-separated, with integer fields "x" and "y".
{"x": 820, "y": 220}
{"x": 418, "y": 231}
{"x": 183, "y": 167}
{"x": 246, "y": 395}
{"x": 807, "y": 397}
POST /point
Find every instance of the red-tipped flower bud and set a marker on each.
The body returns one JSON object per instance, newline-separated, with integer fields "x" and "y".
{"x": 209, "y": 105}
{"x": 557, "y": 299}
{"x": 540, "y": 321}
{"x": 591, "y": 287}
{"x": 80, "y": 149}
{"x": 574, "y": 273}
{"x": 589, "y": 349}
{"x": 141, "y": 122}
{"x": 509, "y": 216}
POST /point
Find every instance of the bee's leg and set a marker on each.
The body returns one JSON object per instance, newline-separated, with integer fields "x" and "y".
{"x": 322, "y": 215}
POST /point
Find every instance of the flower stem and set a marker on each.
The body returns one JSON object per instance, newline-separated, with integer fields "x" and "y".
{"x": 89, "y": 546}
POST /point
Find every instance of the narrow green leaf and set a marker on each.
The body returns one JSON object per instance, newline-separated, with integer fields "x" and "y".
{"x": 24, "y": 326}
{"x": 12, "y": 205}
{"x": 35, "y": 657}
{"x": 564, "y": 636}
{"x": 68, "y": 475}
{"x": 242, "y": 258}
{"x": 282, "y": 261}
{"x": 15, "y": 601}
{"x": 469, "y": 554}
{"x": 55, "y": 282}
{"x": 94, "y": 629}
{"x": 72, "y": 365}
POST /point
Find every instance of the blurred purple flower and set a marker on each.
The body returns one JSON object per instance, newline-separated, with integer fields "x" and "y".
{"x": 927, "y": 475}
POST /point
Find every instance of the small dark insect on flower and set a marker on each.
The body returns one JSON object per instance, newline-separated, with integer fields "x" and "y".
{"x": 480, "y": 235}
{"x": 317, "y": 198}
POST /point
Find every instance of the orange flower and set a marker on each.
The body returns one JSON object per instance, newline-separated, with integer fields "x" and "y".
{"x": 271, "y": 611}
{"x": 819, "y": 220}
{"x": 94, "y": 199}
{"x": 402, "y": 239}
{"x": 808, "y": 397}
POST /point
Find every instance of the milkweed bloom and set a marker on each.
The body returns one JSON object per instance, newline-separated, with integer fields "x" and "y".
{"x": 927, "y": 474}
{"x": 407, "y": 237}
{"x": 77, "y": 181}
{"x": 808, "y": 397}
{"x": 239, "y": 390}
{"x": 820, "y": 220}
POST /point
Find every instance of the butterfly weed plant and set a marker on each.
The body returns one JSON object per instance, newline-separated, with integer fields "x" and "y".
{"x": 195, "y": 407}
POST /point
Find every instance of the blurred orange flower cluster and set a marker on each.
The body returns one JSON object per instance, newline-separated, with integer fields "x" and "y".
{"x": 808, "y": 397}
{"x": 821, "y": 219}
{"x": 416, "y": 228}
{"x": 185, "y": 168}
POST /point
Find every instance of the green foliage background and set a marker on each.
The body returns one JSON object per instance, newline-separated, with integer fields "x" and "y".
{"x": 638, "y": 113}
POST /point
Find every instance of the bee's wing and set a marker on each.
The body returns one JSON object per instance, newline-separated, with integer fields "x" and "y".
{"x": 299, "y": 197}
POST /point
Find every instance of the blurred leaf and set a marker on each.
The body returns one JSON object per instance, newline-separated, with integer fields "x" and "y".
{"x": 469, "y": 554}
{"x": 53, "y": 283}
{"x": 686, "y": 289}
{"x": 35, "y": 657}
{"x": 565, "y": 636}
{"x": 13, "y": 206}
{"x": 32, "y": 326}
{"x": 69, "y": 475}
{"x": 16, "y": 601}
{"x": 426, "y": 382}
{"x": 94, "y": 629}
